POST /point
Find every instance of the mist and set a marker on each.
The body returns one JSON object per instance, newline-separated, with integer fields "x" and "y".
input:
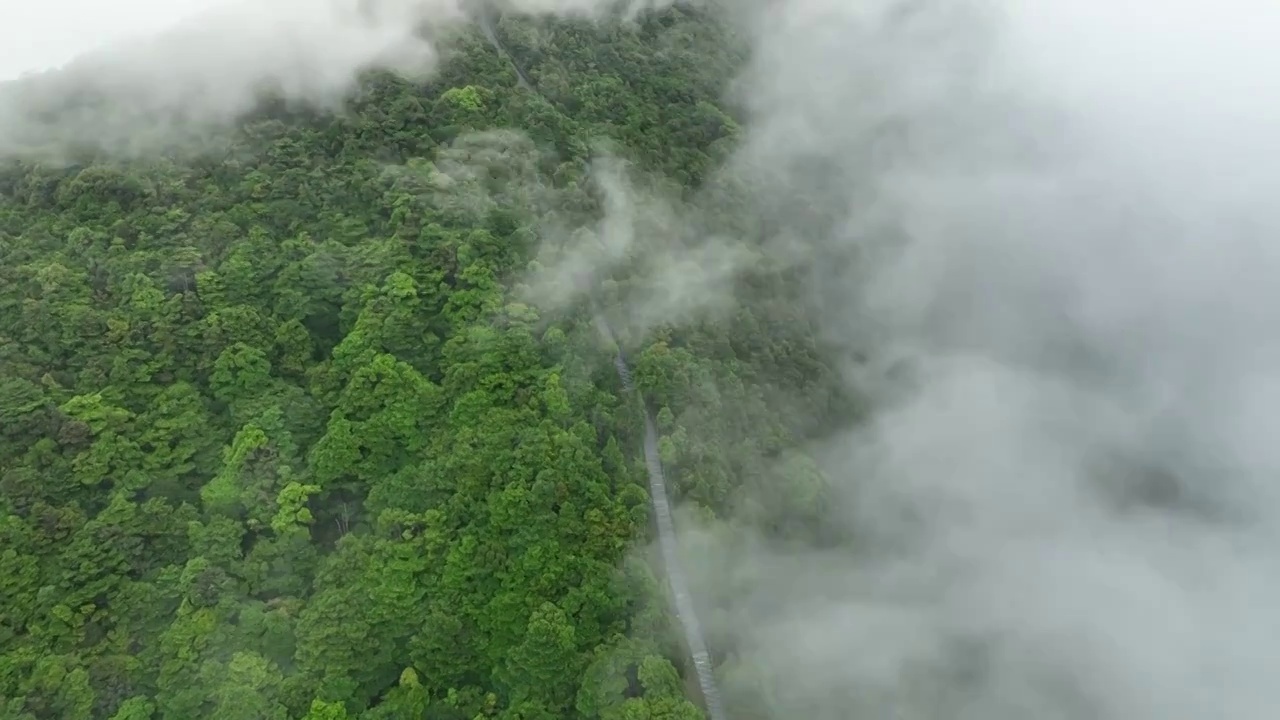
{"x": 158, "y": 90}
{"x": 1058, "y": 221}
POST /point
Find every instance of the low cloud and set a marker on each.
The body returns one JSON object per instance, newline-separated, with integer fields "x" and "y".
{"x": 1057, "y": 218}
{"x": 647, "y": 235}
{"x": 172, "y": 89}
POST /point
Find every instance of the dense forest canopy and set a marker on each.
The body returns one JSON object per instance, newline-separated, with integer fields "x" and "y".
{"x": 319, "y": 425}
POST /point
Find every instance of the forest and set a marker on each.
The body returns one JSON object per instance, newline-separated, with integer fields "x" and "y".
{"x": 319, "y": 425}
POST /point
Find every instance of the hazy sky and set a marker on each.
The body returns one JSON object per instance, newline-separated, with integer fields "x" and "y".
{"x": 46, "y": 33}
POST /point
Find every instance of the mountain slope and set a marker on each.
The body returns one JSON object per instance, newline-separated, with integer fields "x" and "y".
{"x": 311, "y": 428}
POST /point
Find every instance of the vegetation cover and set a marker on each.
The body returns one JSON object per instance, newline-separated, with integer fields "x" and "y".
{"x": 293, "y": 430}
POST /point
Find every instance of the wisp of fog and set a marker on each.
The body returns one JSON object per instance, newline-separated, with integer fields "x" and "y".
{"x": 1060, "y": 215}
{"x": 173, "y": 89}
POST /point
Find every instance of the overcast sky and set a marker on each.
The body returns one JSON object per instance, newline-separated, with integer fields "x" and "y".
{"x": 39, "y": 34}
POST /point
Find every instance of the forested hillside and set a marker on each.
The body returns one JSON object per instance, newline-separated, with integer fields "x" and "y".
{"x": 311, "y": 428}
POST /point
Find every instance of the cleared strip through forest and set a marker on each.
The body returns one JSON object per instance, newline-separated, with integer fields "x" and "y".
{"x": 668, "y": 546}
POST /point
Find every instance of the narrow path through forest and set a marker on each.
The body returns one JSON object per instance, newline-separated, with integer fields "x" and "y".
{"x": 667, "y": 543}
{"x": 668, "y": 546}
{"x": 486, "y": 25}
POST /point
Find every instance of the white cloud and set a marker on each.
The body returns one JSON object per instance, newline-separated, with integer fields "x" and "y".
{"x": 36, "y": 36}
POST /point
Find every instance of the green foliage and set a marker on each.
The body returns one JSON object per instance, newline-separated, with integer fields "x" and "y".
{"x": 282, "y": 435}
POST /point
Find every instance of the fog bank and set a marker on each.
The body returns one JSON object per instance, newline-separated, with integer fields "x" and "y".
{"x": 1057, "y": 218}
{"x": 160, "y": 89}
